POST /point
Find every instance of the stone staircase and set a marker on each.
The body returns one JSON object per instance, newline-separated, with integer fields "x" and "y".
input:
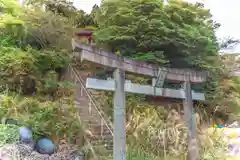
{"x": 99, "y": 130}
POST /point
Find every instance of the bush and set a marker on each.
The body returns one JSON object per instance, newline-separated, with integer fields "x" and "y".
{"x": 53, "y": 119}
{"x": 21, "y": 71}
{"x": 8, "y": 134}
{"x": 16, "y": 68}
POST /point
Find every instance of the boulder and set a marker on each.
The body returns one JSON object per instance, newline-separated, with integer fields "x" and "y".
{"x": 45, "y": 146}
{"x": 26, "y": 135}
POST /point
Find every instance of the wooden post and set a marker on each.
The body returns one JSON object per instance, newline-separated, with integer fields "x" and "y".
{"x": 119, "y": 129}
{"x": 190, "y": 119}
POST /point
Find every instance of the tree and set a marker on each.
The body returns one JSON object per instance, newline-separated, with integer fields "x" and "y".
{"x": 93, "y": 14}
{"x": 48, "y": 29}
{"x": 67, "y": 9}
{"x": 22, "y": 67}
{"x": 177, "y": 34}
{"x": 11, "y": 22}
{"x": 62, "y": 7}
{"x": 229, "y": 43}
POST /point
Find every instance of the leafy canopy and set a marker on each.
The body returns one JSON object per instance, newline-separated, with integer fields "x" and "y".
{"x": 10, "y": 13}
{"x": 178, "y": 34}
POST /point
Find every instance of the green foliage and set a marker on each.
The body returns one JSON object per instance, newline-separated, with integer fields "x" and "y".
{"x": 228, "y": 97}
{"x": 47, "y": 60}
{"x": 47, "y": 30}
{"x": 62, "y": 7}
{"x": 33, "y": 62}
{"x": 44, "y": 118}
{"x": 11, "y": 23}
{"x": 22, "y": 70}
{"x": 134, "y": 154}
{"x": 17, "y": 68}
{"x": 181, "y": 32}
{"x": 66, "y": 9}
{"x": 10, "y": 13}
{"x": 8, "y": 134}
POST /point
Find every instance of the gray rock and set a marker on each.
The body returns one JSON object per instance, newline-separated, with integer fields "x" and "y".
{"x": 26, "y": 134}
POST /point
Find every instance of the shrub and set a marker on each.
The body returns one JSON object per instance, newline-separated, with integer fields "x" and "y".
{"x": 52, "y": 119}
{"x": 8, "y": 134}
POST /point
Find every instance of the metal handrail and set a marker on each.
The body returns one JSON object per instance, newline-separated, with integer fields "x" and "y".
{"x": 91, "y": 99}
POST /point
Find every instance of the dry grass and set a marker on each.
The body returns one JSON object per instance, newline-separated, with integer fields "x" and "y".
{"x": 165, "y": 139}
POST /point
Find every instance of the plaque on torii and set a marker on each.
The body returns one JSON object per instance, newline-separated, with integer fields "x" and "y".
{"x": 119, "y": 86}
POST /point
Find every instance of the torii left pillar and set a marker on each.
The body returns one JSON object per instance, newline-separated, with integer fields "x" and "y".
{"x": 119, "y": 126}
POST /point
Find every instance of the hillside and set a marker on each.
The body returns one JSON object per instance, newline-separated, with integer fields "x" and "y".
{"x": 36, "y": 51}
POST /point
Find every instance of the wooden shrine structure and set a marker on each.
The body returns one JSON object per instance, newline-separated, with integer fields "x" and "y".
{"x": 85, "y": 34}
{"x": 119, "y": 86}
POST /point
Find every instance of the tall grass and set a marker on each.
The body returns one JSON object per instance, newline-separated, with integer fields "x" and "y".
{"x": 157, "y": 132}
{"x": 150, "y": 136}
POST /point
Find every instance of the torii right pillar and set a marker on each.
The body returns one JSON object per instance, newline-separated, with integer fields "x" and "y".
{"x": 190, "y": 119}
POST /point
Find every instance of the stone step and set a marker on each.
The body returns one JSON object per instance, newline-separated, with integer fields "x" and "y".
{"x": 106, "y": 131}
{"x": 85, "y": 110}
{"x": 105, "y": 143}
{"x": 106, "y": 146}
{"x": 97, "y": 128}
{"x": 83, "y": 103}
{"x": 94, "y": 92}
{"x": 94, "y": 138}
{"x": 90, "y": 111}
{"x": 82, "y": 99}
{"x": 102, "y": 141}
{"x": 88, "y": 117}
{"x": 99, "y": 135}
{"x": 88, "y": 120}
{"x": 103, "y": 137}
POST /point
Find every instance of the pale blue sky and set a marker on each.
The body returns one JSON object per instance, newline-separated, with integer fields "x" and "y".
{"x": 86, "y": 5}
{"x": 226, "y": 12}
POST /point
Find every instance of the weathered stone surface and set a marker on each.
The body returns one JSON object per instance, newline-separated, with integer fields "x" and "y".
{"x": 109, "y": 85}
{"x": 101, "y": 57}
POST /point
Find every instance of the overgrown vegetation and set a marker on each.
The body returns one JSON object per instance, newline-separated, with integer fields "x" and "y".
{"x": 34, "y": 53}
{"x": 180, "y": 35}
{"x": 8, "y": 134}
{"x": 32, "y": 66}
{"x": 41, "y": 116}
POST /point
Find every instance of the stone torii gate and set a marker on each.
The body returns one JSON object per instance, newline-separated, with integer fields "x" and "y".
{"x": 120, "y": 86}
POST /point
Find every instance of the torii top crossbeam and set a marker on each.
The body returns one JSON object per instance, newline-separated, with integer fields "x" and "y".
{"x": 99, "y": 56}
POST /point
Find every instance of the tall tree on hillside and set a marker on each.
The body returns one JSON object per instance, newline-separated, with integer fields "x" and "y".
{"x": 89, "y": 19}
{"x": 94, "y": 13}
{"x": 66, "y": 9}
{"x": 62, "y": 7}
{"x": 11, "y": 22}
{"x": 10, "y": 13}
{"x": 179, "y": 33}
